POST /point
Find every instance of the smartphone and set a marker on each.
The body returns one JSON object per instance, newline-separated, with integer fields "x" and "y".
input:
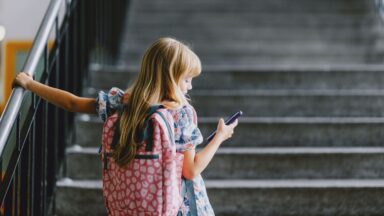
{"x": 229, "y": 121}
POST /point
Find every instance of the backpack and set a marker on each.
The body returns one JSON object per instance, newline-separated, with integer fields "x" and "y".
{"x": 151, "y": 183}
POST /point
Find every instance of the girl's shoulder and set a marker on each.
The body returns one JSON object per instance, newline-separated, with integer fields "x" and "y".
{"x": 108, "y": 102}
{"x": 184, "y": 111}
{"x": 187, "y": 133}
{"x": 184, "y": 115}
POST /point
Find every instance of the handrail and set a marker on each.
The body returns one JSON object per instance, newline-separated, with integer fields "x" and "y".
{"x": 33, "y": 133}
{"x": 13, "y": 105}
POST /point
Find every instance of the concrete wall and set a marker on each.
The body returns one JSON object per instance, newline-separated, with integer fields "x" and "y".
{"x": 21, "y": 18}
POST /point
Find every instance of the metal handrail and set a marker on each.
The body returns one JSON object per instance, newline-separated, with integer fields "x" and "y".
{"x": 13, "y": 105}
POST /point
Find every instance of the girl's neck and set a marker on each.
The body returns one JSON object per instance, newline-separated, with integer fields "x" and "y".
{"x": 172, "y": 105}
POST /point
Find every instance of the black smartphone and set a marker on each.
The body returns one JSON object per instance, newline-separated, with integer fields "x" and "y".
{"x": 229, "y": 121}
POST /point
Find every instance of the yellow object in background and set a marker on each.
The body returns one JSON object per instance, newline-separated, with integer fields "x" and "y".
{"x": 16, "y": 53}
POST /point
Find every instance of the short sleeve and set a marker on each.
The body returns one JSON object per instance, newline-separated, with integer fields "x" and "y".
{"x": 108, "y": 103}
{"x": 187, "y": 134}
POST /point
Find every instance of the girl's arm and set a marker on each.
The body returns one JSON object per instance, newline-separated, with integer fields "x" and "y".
{"x": 194, "y": 163}
{"x": 58, "y": 97}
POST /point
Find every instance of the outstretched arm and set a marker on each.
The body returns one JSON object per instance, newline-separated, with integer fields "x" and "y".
{"x": 58, "y": 97}
{"x": 194, "y": 163}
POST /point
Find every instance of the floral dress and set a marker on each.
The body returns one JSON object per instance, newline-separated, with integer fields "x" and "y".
{"x": 187, "y": 137}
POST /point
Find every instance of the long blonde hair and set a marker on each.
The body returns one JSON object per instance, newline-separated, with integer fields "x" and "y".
{"x": 163, "y": 66}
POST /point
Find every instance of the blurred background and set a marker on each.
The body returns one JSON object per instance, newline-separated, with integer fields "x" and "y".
{"x": 19, "y": 22}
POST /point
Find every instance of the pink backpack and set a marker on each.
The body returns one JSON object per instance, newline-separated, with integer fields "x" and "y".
{"x": 151, "y": 183}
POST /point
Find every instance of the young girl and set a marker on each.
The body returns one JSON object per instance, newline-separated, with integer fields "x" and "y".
{"x": 166, "y": 74}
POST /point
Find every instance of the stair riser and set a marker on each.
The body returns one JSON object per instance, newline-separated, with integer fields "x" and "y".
{"x": 219, "y": 19}
{"x": 266, "y": 35}
{"x": 302, "y": 134}
{"x": 251, "y": 201}
{"x": 293, "y": 201}
{"x": 257, "y": 80}
{"x": 294, "y": 48}
{"x": 273, "y": 134}
{"x": 257, "y": 6}
{"x": 79, "y": 202}
{"x": 261, "y": 59}
{"x": 286, "y": 105}
{"x": 261, "y": 166}
{"x": 257, "y": 33}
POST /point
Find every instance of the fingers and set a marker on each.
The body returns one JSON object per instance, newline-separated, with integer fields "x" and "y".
{"x": 226, "y": 130}
{"x": 25, "y": 73}
{"x": 21, "y": 79}
{"x": 221, "y": 123}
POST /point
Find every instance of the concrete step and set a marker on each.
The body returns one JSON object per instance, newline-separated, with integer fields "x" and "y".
{"x": 292, "y": 103}
{"x": 79, "y": 198}
{"x": 289, "y": 103}
{"x": 256, "y": 6}
{"x": 261, "y": 163}
{"x": 277, "y": 59}
{"x": 251, "y": 197}
{"x": 272, "y": 131}
{"x": 292, "y": 48}
{"x": 257, "y": 33}
{"x": 262, "y": 78}
{"x": 243, "y": 19}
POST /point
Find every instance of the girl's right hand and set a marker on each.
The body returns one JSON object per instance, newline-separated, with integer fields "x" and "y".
{"x": 22, "y": 79}
{"x": 225, "y": 132}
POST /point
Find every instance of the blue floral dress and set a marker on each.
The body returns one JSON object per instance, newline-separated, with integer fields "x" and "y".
{"x": 187, "y": 137}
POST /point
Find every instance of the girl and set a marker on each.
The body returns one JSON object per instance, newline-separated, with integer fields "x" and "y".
{"x": 166, "y": 74}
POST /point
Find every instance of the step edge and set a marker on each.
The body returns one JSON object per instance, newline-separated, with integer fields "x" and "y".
{"x": 265, "y": 183}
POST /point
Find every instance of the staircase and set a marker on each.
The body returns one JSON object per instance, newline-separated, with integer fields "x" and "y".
{"x": 308, "y": 76}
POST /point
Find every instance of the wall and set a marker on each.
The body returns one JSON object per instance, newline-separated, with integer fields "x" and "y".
{"x": 21, "y": 18}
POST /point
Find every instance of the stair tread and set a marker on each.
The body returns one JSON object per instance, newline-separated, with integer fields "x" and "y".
{"x": 257, "y": 68}
{"x": 246, "y": 119}
{"x": 288, "y": 92}
{"x": 264, "y": 150}
{"x": 265, "y": 183}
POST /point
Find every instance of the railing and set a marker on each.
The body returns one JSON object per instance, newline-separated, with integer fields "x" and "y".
{"x": 33, "y": 133}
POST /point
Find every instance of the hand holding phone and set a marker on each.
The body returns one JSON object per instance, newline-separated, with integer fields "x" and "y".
{"x": 229, "y": 121}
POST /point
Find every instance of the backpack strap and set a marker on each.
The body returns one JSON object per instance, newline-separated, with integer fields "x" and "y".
{"x": 149, "y": 131}
{"x": 167, "y": 124}
{"x": 116, "y": 136}
{"x": 148, "y": 128}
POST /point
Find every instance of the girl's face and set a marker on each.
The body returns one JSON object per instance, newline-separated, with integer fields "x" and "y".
{"x": 185, "y": 84}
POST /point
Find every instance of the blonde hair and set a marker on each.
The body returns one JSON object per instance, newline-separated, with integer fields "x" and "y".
{"x": 163, "y": 66}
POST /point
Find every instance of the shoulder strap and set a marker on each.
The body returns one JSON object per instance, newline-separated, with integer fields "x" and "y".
{"x": 149, "y": 145}
{"x": 170, "y": 134}
{"x": 116, "y": 136}
{"x": 148, "y": 130}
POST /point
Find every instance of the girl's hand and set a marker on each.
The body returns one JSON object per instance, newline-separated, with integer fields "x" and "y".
{"x": 22, "y": 79}
{"x": 225, "y": 132}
